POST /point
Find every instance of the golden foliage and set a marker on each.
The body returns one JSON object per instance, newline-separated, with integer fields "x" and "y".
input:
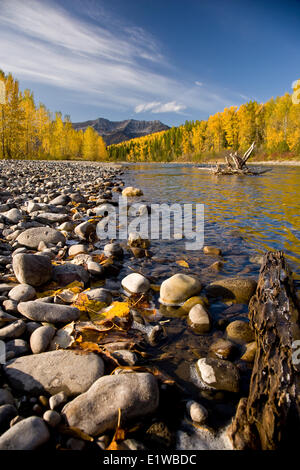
{"x": 28, "y": 131}
{"x": 183, "y": 263}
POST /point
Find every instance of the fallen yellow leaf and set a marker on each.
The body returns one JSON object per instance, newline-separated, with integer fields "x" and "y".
{"x": 182, "y": 263}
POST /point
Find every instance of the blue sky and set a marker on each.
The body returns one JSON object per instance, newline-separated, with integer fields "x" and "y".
{"x": 170, "y": 60}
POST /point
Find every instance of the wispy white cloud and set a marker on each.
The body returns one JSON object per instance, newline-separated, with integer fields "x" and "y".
{"x": 158, "y": 107}
{"x": 115, "y": 65}
{"x": 198, "y": 83}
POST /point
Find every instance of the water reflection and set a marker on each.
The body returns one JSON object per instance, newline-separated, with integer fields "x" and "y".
{"x": 264, "y": 210}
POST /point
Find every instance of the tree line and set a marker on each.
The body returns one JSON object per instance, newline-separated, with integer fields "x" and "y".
{"x": 274, "y": 126}
{"x": 30, "y": 131}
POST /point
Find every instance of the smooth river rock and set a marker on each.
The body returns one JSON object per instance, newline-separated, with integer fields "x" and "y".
{"x": 240, "y": 331}
{"x": 41, "y": 338}
{"x": 100, "y": 295}
{"x": 250, "y": 352}
{"x": 28, "y": 434}
{"x": 54, "y": 372}
{"x": 196, "y": 411}
{"x": 14, "y": 330}
{"x": 219, "y": 374}
{"x": 199, "y": 319}
{"x": 135, "y": 283}
{"x": 212, "y": 250}
{"x": 96, "y": 411}
{"x": 22, "y": 293}
{"x": 234, "y": 288}
{"x": 178, "y": 288}
{"x": 222, "y": 349}
{"x": 45, "y": 312}
{"x": 130, "y": 191}
{"x": 33, "y": 236}
{"x": 67, "y": 273}
{"x": 34, "y": 270}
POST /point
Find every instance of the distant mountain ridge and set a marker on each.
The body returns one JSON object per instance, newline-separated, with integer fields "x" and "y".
{"x": 114, "y": 132}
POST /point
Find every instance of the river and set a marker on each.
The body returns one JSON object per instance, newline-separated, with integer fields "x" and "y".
{"x": 244, "y": 217}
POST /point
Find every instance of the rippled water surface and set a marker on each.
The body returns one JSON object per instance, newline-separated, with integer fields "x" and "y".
{"x": 244, "y": 214}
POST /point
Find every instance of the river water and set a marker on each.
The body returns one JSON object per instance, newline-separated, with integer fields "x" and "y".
{"x": 244, "y": 216}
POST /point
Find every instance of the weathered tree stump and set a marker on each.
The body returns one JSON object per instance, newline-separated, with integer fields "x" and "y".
{"x": 270, "y": 417}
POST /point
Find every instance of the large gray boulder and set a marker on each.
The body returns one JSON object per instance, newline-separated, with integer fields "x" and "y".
{"x": 96, "y": 411}
{"x": 54, "y": 371}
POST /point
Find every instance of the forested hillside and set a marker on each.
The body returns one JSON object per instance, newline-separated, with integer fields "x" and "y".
{"x": 274, "y": 126}
{"x": 29, "y": 131}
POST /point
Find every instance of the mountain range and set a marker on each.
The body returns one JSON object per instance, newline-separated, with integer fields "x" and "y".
{"x": 114, "y": 132}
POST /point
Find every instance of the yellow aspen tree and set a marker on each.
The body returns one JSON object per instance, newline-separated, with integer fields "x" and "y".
{"x": 293, "y": 133}
{"x": 12, "y": 119}
{"x": 185, "y": 143}
{"x": 43, "y": 128}
{"x": 29, "y": 141}
{"x": 277, "y": 126}
{"x": 101, "y": 149}
{"x": 215, "y": 133}
{"x": 89, "y": 147}
{"x": 231, "y": 128}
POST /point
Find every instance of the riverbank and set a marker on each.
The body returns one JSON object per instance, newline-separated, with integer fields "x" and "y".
{"x": 92, "y": 326}
{"x": 213, "y": 162}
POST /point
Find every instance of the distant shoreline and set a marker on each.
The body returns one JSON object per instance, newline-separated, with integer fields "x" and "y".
{"x": 270, "y": 163}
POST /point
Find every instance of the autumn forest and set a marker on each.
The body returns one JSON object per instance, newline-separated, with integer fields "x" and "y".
{"x": 30, "y": 131}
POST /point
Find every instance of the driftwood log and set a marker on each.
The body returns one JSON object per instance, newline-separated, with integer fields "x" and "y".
{"x": 236, "y": 165}
{"x": 269, "y": 418}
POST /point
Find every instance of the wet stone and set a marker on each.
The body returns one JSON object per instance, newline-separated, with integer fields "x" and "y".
{"x": 135, "y": 283}
{"x": 249, "y": 354}
{"x": 178, "y": 288}
{"x": 199, "y": 319}
{"x": 196, "y": 412}
{"x": 240, "y": 331}
{"x": 219, "y": 374}
{"x": 223, "y": 349}
{"x": 238, "y": 289}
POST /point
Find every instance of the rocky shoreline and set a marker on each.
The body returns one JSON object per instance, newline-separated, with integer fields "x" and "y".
{"x": 79, "y": 336}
